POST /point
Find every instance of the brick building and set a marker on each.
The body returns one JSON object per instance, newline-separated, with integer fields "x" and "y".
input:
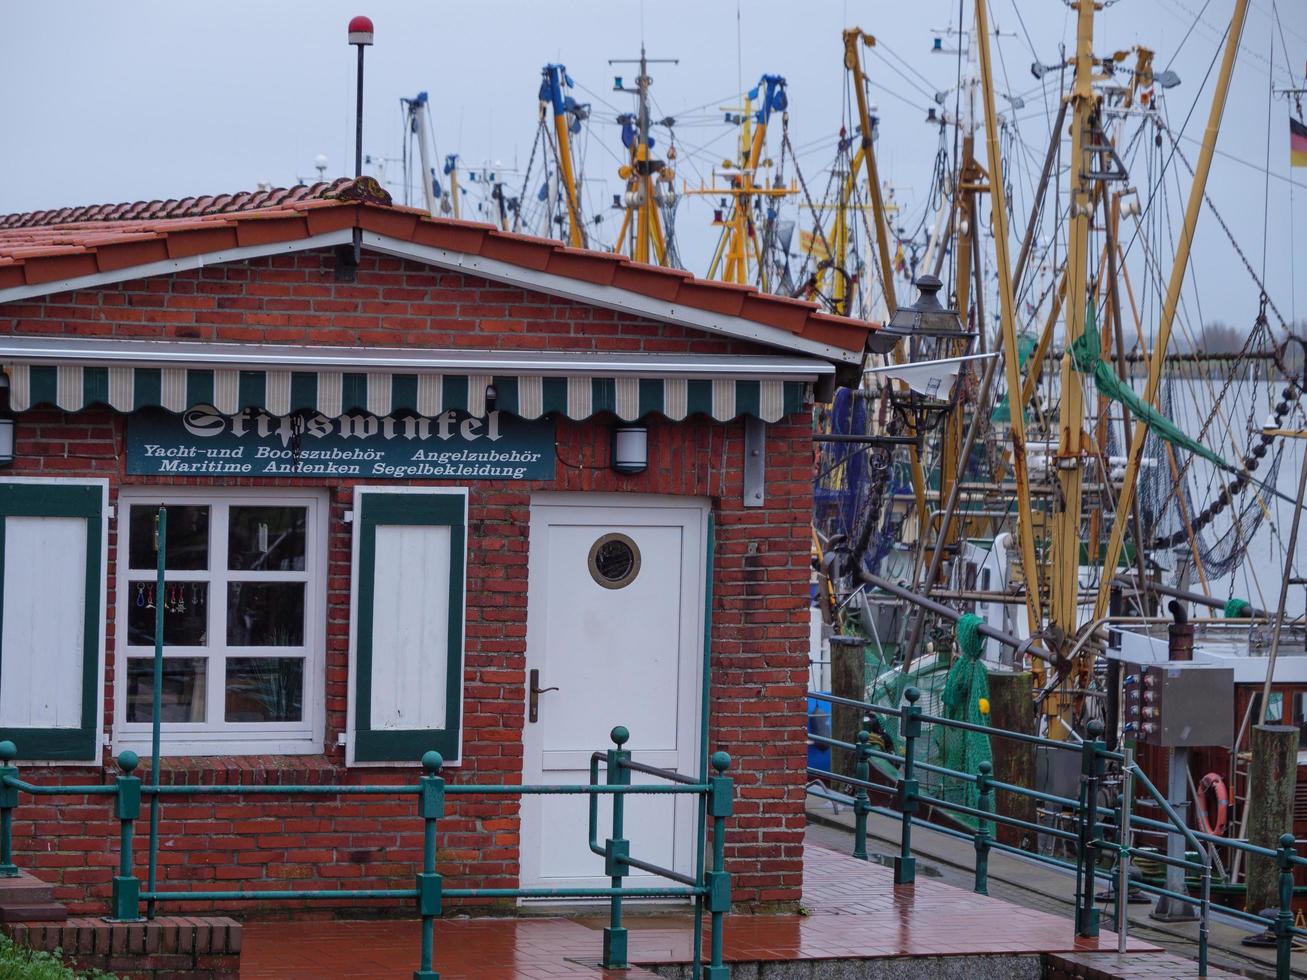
{"x": 402, "y": 493}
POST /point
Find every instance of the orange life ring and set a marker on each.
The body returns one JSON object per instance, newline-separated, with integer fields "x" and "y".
{"x": 1212, "y": 788}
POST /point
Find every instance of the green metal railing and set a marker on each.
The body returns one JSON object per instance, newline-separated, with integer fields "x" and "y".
{"x": 708, "y": 887}
{"x": 1098, "y": 833}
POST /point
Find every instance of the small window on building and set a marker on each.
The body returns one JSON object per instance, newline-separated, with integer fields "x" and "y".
{"x": 614, "y": 561}
{"x": 243, "y": 606}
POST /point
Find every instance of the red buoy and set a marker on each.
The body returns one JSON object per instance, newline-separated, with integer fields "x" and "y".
{"x": 360, "y": 30}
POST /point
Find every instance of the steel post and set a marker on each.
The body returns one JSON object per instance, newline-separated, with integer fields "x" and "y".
{"x": 616, "y": 850}
{"x": 127, "y": 808}
{"x": 1284, "y": 917}
{"x": 861, "y": 802}
{"x": 720, "y": 801}
{"x": 1092, "y": 765}
{"x": 8, "y": 801}
{"x": 984, "y": 776}
{"x": 905, "y": 865}
{"x": 430, "y": 887}
{"x": 1170, "y": 909}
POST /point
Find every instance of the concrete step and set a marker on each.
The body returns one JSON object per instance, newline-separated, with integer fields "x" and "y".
{"x": 48, "y": 912}
{"x": 25, "y": 890}
{"x": 24, "y": 898}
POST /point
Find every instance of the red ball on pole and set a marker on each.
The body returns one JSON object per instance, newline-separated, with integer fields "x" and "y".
{"x": 360, "y": 30}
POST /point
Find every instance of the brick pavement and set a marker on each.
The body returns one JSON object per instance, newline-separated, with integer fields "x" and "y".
{"x": 854, "y": 912}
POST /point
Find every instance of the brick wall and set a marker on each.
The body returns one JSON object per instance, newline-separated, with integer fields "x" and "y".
{"x": 759, "y": 618}
{"x": 167, "y": 948}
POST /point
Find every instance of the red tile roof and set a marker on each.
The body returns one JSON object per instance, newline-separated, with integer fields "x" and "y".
{"x": 39, "y": 247}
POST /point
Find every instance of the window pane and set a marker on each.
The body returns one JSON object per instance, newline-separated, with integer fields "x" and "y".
{"x": 182, "y": 693}
{"x": 265, "y": 614}
{"x": 188, "y": 537}
{"x": 265, "y": 689}
{"x": 185, "y": 613}
{"x": 266, "y": 538}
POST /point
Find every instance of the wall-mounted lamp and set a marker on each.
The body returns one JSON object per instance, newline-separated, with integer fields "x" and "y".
{"x": 492, "y": 396}
{"x": 630, "y": 449}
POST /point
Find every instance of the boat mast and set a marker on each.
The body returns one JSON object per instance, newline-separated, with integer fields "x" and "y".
{"x": 641, "y": 200}
{"x": 451, "y": 171}
{"x": 551, "y": 94}
{"x": 853, "y": 62}
{"x": 1158, "y": 359}
{"x": 1071, "y": 455}
{"x": 971, "y": 181}
{"x": 418, "y": 115}
{"x": 1008, "y": 320}
{"x": 739, "y": 242}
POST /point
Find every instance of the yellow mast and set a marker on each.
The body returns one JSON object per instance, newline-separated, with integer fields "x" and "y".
{"x": 551, "y": 93}
{"x": 739, "y": 239}
{"x": 451, "y": 171}
{"x": 853, "y": 62}
{"x": 998, "y": 210}
{"x": 1183, "y": 248}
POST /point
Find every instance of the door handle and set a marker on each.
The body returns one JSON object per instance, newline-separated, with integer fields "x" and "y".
{"x": 533, "y": 697}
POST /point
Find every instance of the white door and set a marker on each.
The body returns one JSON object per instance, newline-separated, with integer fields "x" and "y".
{"x": 615, "y": 622}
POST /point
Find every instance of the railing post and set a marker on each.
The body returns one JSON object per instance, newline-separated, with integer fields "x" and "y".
{"x": 1092, "y": 768}
{"x": 616, "y": 850}
{"x": 984, "y": 778}
{"x": 720, "y": 799}
{"x": 8, "y": 800}
{"x": 431, "y": 807}
{"x": 1124, "y": 837}
{"x": 127, "y": 808}
{"x": 1284, "y": 918}
{"x": 905, "y": 865}
{"x": 861, "y": 801}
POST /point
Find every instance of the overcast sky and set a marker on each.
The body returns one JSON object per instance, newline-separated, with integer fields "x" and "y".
{"x": 118, "y": 102}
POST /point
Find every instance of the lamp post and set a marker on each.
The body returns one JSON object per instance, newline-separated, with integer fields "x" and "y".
{"x": 931, "y": 332}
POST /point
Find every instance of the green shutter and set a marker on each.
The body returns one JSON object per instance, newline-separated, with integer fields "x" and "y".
{"x": 408, "y": 509}
{"x": 42, "y": 499}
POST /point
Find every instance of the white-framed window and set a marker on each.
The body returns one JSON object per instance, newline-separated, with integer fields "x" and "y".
{"x": 244, "y": 620}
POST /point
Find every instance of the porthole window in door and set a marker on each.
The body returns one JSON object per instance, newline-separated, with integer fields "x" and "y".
{"x": 614, "y": 561}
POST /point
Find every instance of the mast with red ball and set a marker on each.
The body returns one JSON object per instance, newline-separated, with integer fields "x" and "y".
{"x": 360, "y": 35}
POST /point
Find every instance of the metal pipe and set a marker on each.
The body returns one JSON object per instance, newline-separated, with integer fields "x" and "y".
{"x": 156, "y": 698}
{"x": 1129, "y": 581}
{"x": 1123, "y": 862}
{"x": 1055, "y": 140}
{"x": 952, "y": 615}
{"x": 867, "y": 440}
{"x": 1284, "y": 591}
{"x": 358, "y": 150}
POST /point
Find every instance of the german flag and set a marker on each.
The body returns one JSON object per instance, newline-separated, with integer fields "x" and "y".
{"x": 1297, "y": 143}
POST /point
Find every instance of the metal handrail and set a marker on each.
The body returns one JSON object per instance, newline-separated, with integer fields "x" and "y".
{"x": 709, "y": 886}
{"x": 1090, "y": 837}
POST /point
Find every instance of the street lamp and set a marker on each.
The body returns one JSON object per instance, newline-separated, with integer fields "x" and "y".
{"x": 933, "y": 333}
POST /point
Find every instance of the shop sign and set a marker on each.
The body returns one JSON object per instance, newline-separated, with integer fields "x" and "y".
{"x": 453, "y": 446}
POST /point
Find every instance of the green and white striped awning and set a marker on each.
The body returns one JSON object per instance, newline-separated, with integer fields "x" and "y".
{"x": 130, "y": 376}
